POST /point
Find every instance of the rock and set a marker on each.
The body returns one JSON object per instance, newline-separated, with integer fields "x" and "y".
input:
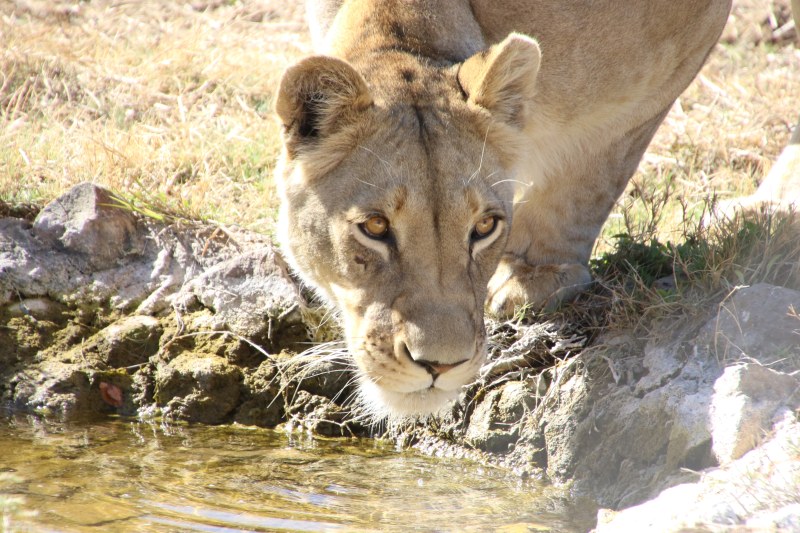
{"x": 755, "y": 322}
{"x": 21, "y": 340}
{"x": 83, "y": 250}
{"x": 38, "y": 308}
{"x": 251, "y": 295}
{"x": 560, "y": 428}
{"x": 67, "y": 389}
{"x": 87, "y": 220}
{"x": 126, "y": 343}
{"x": 331, "y": 378}
{"x": 621, "y": 444}
{"x": 263, "y": 404}
{"x": 760, "y": 488}
{"x": 52, "y": 387}
{"x": 494, "y": 425}
{"x": 29, "y": 268}
{"x": 321, "y": 416}
{"x": 198, "y": 388}
{"x": 672, "y": 505}
{"x": 130, "y": 341}
{"x": 663, "y": 362}
{"x": 784, "y": 519}
{"x": 625, "y": 444}
{"x": 745, "y": 399}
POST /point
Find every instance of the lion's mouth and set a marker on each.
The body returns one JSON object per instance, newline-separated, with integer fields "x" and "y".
{"x": 412, "y": 391}
{"x": 382, "y": 403}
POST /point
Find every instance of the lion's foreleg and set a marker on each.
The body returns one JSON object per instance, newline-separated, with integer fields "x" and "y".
{"x": 558, "y": 219}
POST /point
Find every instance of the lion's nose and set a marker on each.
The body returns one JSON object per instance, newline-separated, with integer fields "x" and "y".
{"x": 434, "y": 368}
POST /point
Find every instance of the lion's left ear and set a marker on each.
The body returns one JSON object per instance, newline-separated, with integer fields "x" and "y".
{"x": 318, "y": 97}
{"x": 502, "y": 79}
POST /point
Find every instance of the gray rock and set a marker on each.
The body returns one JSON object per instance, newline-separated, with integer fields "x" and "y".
{"x": 622, "y": 444}
{"x": 331, "y": 378}
{"x": 745, "y": 399}
{"x": 65, "y": 388}
{"x": 87, "y": 220}
{"x": 755, "y": 322}
{"x": 38, "y": 308}
{"x": 263, "y": 404}
{"x": 783, "y": 519}
{"x": 757, "y": 492}
{"x": 320, "y": 416}
{"x": 663, "y": 361}
{"x": 494, "y": 425}
{"x": 251, "y": 295}
{"x": 29, "y": 268}
{"x": 52, "y": 387}
{"x": 83, "y": 250}
{"x": 625, "y": 444}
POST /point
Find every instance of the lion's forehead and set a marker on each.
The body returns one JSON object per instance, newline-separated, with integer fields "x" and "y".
{"x": 422, "y": 190}
{"x": 426, "y": 140}
{"x": 397, "y": 76}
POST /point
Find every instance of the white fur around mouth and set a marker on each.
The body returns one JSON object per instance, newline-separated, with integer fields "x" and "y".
{"x": 381, "y": 403}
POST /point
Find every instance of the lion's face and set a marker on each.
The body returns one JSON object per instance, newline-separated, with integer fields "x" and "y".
{"x": 398, "y": 210}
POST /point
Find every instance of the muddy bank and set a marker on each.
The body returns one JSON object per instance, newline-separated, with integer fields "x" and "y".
{"x": 102, "y": 310}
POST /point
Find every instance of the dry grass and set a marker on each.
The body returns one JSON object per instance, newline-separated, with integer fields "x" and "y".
{"x": 166, "y": 101}
{"x": 169, "y": 103}
{"x": 723, "y": 133}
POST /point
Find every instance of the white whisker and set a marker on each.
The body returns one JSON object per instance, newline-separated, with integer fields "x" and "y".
{"x": 483, "y": 152}
{"x": 509, "y": 180}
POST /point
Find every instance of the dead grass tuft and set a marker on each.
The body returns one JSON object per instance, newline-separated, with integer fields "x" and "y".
{"x": 167, "y": 103}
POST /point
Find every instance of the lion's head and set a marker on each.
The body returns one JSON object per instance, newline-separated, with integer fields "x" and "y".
{"x": 396, "y": 184}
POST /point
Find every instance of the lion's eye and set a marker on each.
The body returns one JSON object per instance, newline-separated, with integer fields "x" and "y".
{"x": 376, "y": 227}
{"x": 484, "y": 227}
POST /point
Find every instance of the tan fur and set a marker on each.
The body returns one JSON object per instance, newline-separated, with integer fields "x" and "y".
{"x": 438, "y": 113}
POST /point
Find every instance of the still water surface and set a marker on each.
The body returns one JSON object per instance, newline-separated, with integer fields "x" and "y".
{"x": 115, "y": 475}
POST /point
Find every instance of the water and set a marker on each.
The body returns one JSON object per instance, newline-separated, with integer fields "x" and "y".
{"x": 115, "y": 475}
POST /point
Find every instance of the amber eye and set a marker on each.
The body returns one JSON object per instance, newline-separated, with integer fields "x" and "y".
{"x": 376, "y": 227}
{"x": 484, "y": 227}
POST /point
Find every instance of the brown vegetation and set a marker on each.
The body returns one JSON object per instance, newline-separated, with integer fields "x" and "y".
{"x": 170, "y": 104}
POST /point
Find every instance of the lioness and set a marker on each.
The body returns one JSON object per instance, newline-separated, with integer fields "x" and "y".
{"x": 443, "y": 154}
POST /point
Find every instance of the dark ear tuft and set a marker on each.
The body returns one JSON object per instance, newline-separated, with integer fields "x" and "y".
{"x": 317, "y": 97}
{"x": 311, "y": 116}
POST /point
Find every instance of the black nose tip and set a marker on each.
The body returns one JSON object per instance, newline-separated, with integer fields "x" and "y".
{"x": 437, "y": 369}
{"x": 434, "y": 368}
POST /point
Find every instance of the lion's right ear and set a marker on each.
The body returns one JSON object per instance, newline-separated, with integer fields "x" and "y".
{"x": 502, "y": 79}
{"x": 318, "y": 97}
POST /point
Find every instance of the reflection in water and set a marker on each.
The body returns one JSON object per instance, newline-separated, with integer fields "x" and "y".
{"x": 138, "y": 476}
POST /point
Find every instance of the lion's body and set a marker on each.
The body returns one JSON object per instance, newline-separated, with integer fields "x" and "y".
{"x": 440, "y": 119}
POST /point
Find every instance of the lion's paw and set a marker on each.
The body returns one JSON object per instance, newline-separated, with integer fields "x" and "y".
{"x": 516, "y": 284}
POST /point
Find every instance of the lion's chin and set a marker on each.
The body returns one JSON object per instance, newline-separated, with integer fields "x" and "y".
{"x": 385, "y": 404}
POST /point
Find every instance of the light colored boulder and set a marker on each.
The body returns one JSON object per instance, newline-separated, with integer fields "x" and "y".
{"x": 757, "y": 492}
{"x": 745, "y": 399}
{"x": 755, "y": 322}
